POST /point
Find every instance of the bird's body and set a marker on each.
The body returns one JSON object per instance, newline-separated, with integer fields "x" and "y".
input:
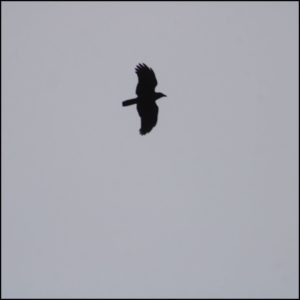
{"x": 146, "y": 105}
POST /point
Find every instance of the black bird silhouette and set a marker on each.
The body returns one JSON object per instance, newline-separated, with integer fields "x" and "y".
{"x": 145, "y": 90}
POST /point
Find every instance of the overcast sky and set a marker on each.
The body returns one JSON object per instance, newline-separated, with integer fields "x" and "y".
{"x": 206, "y": 205}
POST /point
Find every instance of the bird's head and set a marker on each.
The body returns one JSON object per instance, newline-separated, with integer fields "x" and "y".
{"x": 159, "y": 95}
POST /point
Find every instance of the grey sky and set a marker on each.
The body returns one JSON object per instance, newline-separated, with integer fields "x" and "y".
{"x": 220, "y": 217}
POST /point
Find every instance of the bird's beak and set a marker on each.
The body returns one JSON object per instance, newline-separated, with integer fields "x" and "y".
{"x": 164, "y": 95}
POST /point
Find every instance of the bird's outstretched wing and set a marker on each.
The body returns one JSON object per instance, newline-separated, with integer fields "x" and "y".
{"x": 148, "y": 122}
{"x": 147, "y": 80}
{"x": 148, "y": 117}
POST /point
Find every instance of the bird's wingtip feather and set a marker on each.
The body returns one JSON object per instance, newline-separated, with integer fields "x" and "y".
{"x": 141, "y": 66}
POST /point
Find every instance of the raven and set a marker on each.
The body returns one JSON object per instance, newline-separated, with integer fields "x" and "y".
{"x": 145, "y": 90}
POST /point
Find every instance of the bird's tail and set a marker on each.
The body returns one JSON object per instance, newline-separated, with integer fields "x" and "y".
{"x": 129, "y": 102}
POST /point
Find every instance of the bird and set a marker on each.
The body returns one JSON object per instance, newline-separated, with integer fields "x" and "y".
{"x": 146, "y": 98}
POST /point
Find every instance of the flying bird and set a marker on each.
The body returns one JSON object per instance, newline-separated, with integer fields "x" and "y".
{"x": 146, "y": 98}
